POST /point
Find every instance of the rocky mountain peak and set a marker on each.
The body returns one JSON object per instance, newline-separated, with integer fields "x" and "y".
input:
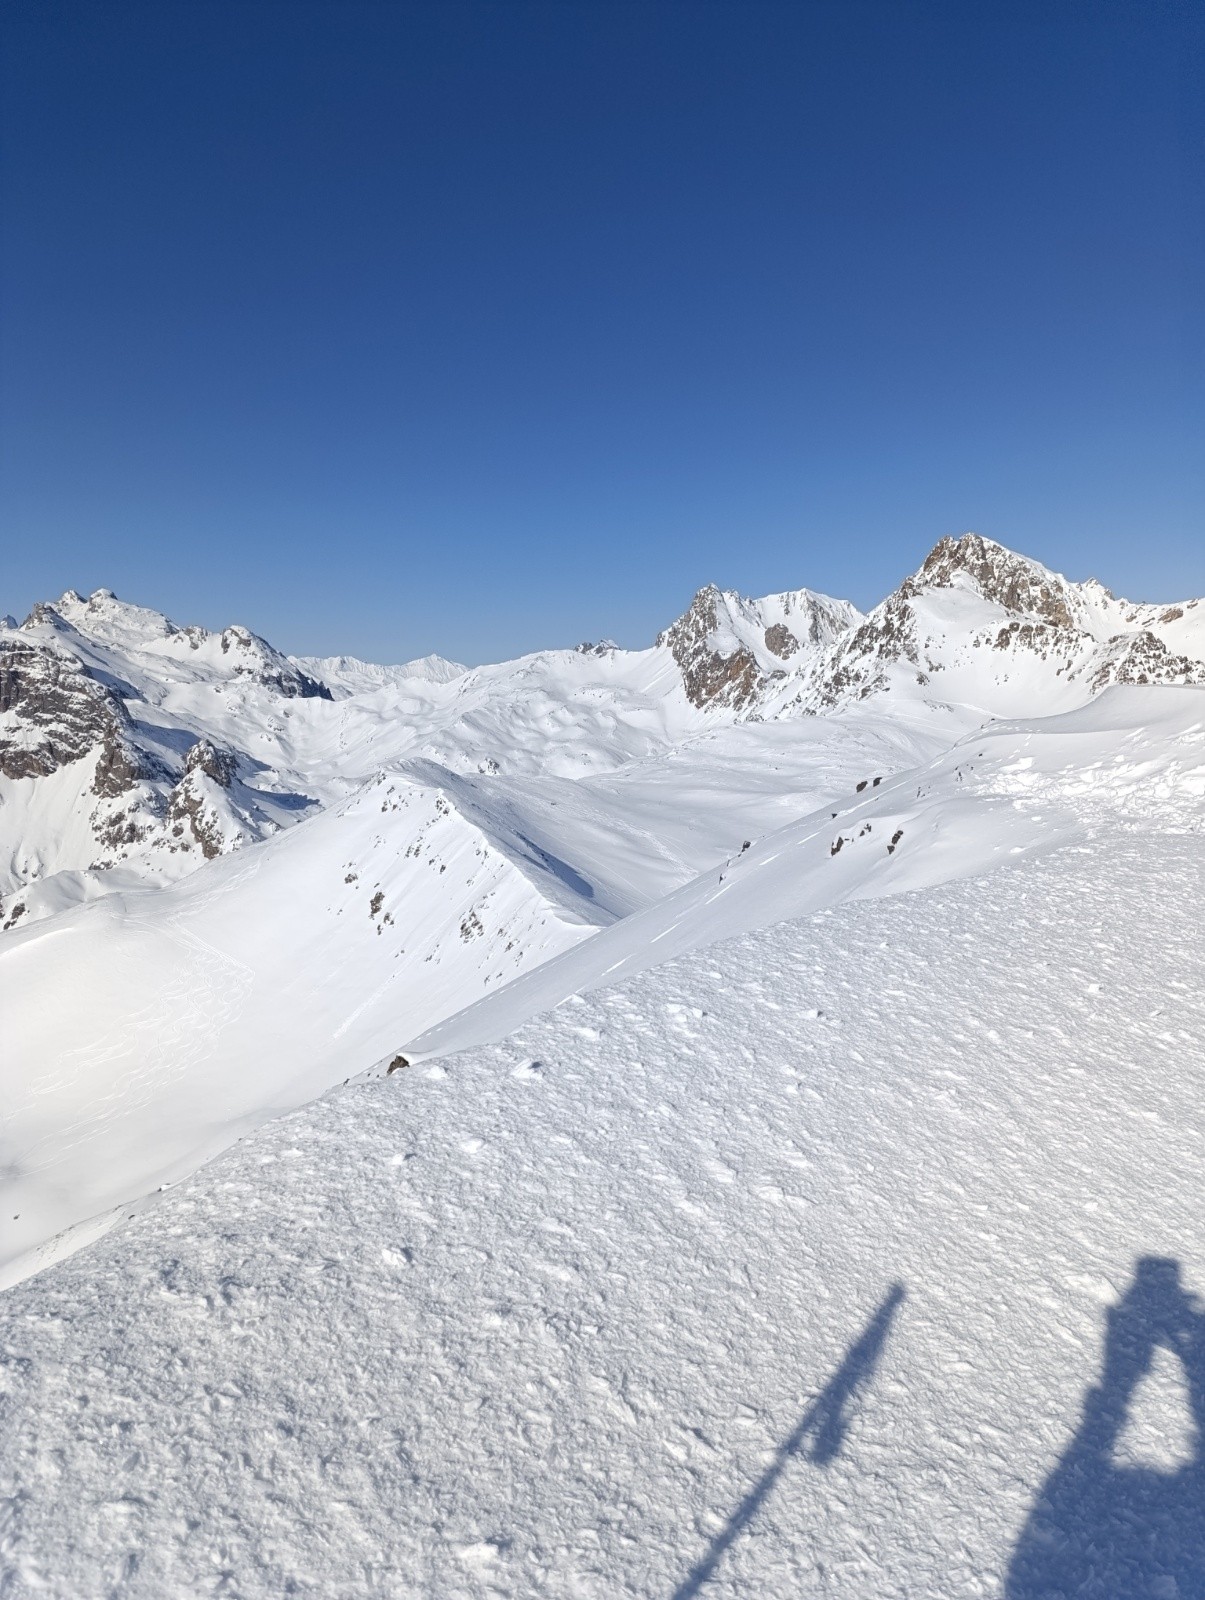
{"x": 44, "y": 615}
{"x": 1012, "y": 581}
{"x": 717, "y": 667}
{"x": 730, "y": 649}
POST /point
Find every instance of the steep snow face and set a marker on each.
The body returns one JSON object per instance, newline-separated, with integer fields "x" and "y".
{"x": 105, "y": 701}
{"x": 979, "y": 626}
{"x": 857, "y": 1256}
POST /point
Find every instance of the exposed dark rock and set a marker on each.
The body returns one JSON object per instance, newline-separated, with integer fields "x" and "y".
{"x": 214, "y": 761}
{"x": 191, "y": 817}
{"x": 256, "y": 658}
{"x": 1008, "y": 579}
{"x": 121, "y": 764}
{"x": 710, "y": 677}
{"x": 62, "y": 713}
{"x": 1143, "y": 658}
{"x": 781, "y": 641}
{"x": 44, "y": 615}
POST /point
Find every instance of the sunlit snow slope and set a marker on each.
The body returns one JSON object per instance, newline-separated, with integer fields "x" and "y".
{"x": 853, "y": 1255}
{"x": 231, "y": 878}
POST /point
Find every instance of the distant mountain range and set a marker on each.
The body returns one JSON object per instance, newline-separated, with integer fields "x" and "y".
{"x": 132, "y": 749}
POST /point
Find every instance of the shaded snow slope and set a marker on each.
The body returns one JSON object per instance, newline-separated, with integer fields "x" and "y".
{"x": 851, "y": 1257}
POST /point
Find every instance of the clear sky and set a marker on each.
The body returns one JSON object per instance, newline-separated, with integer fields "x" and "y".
{"x": 397, "y": 327}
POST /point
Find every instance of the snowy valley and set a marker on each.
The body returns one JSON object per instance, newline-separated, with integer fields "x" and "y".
{"x": 641, "y": 1122}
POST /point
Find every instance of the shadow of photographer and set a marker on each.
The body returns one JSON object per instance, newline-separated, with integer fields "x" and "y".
{"x": 1109, "y": 1530}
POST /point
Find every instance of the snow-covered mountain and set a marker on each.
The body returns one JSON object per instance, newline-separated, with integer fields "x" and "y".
{"x": 127, "y": 742}
{"x": 229, "y": 877}
{"x": 750, "y": 1104}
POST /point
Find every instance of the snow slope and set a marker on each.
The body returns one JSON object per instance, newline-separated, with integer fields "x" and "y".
{"x": 102, "y": 704}
{"x": 193, "y": 828}
{"x": 147, "y": 1031}
{"x": 854, "y": 1255}
{"x": 1003, "y": 791}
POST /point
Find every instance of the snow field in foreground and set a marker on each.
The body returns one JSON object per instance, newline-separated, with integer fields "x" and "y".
{"x": 783, "y": 1268}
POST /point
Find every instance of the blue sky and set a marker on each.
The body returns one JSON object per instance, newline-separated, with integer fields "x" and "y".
{"x": 391, "y": 328}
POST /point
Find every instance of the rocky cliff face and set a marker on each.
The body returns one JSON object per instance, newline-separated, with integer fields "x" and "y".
{"x": 732, "y": 651}
{"x": 201, "y": 810}
{"x": 717, "y": 668}
{"x": 52, "y": 710}
{"x": 1009, "y": 580}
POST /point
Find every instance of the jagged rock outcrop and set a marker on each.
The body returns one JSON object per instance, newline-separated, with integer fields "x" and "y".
{"x": 254, "y": 657}
{"x": 192, "y": 818}
{"x": 717, "y": 669}
{"x": 214, "y": 761}
{"x": 731, "y": 651}
{"x": 53, "y": 711}
{"x": 781, "y": 641}
{"x": 201, "y": 808}
{"x": 1143, "y": 658}
{"x": 75, "y": 678}
{"x": 121, "y": 764}
{"x": 999, "y": 574}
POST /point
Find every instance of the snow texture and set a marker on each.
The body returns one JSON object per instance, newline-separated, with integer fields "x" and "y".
{"x": 826, "y": 1260}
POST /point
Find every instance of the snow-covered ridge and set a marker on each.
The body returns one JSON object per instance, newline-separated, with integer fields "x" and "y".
{"x": 730, "y": 649}
{"x": 347, "y": 675}
{"x": 107, "y": 698}
{"x": 979, "y": 626}
{"x": 224, "y": 857}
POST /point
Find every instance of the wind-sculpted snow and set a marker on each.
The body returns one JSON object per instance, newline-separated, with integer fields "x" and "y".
{"x": 137, "y": 1027}
{"x": 856, "y": 1256}
{"x": 768, "y": 1154}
